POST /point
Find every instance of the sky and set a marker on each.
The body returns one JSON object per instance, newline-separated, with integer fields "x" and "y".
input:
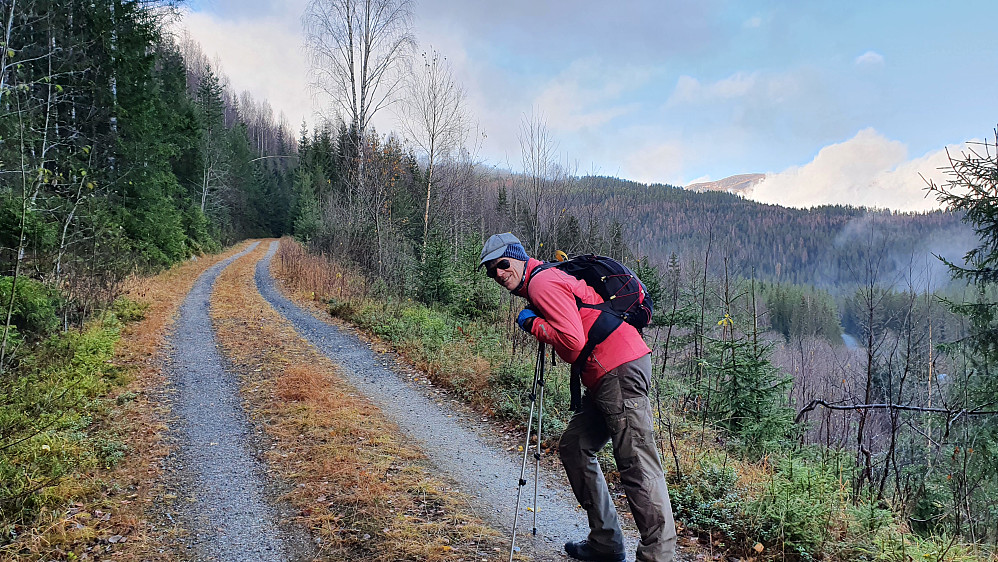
{"x": 842, "y": 101}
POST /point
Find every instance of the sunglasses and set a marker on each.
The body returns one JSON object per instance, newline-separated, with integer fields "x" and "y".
{"x": 493, "y": 271}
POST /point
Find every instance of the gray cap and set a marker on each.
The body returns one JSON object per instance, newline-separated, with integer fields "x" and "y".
{"x": 495, "y": 246}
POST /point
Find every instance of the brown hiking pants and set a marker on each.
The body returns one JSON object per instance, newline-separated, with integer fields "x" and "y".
{"x": 619, "y": 411}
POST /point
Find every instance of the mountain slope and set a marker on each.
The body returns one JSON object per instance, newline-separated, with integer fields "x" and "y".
{"x": 828, "y": 246}
{"x": 741, "y": 184}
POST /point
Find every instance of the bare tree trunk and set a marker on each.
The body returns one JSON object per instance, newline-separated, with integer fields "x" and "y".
{"x": 65, "y": 233}
{"x": 863, "y": 455}
{"x": 20, "y": 243}
{"x": 6, "y": 49}
{"x": 426, "y": 212}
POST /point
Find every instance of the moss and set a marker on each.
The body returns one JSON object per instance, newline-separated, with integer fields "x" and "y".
{"x": 52, "y": 423}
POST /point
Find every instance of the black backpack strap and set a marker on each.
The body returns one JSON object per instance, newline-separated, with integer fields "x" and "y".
{"x": 601, "y": 329}
{"x": 605, "y": 324}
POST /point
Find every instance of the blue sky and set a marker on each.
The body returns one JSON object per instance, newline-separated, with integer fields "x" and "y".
{"x": 837, "y": 102}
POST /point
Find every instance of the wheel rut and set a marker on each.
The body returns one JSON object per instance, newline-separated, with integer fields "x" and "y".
{"x": 219, "y": 485}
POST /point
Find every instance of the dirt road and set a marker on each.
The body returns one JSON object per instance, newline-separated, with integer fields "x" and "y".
{"x": 221, "y": 484}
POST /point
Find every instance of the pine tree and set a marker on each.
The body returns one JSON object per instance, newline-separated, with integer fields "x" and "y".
{"x": 751, "y": 399}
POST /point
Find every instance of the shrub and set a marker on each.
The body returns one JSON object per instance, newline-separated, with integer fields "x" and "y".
{"x": 35, "y": 307}
{"x": 127, "y": 310}
{"x": 707, "y": 499}
{"x": 796, "y": 508}
{"x": 340, "y": 308}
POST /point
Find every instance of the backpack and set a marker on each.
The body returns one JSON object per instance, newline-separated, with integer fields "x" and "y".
{"x": 625, "y": 299}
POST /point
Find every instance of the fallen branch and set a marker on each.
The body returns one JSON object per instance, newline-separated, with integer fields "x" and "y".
{"x": 859, "y": 407}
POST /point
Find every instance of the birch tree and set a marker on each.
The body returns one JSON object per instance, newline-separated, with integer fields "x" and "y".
{"x": 433, "y": 118}
{"x": 540, "y": 171}
{"x": 356, "y": 49}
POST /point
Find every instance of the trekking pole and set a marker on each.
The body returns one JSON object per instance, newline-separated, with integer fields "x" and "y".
{"x": 538, "y": 376}
{"x": 540, "y": 418}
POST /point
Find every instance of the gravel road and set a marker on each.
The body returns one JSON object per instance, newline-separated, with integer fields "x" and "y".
{"x": 462, "y": 448}
{"x": 219, "y": 484}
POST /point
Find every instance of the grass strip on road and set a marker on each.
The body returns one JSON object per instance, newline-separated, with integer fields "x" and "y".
{"x": 353, "y": 479}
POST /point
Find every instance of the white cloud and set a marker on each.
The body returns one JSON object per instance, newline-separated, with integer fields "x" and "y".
{"x": 754, "y": 85}
{"x": 752, "y": 22}
{"x": 870, "y": 58}
{"x": 586, "y": 94}
{"x": 867, "y": 170}
{"x": 691, "y": 90}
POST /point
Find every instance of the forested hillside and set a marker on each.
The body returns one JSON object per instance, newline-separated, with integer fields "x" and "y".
{"x": 121, "y": 152}
{"x": 122, "y": 149}
{"x": 822, "y": 246}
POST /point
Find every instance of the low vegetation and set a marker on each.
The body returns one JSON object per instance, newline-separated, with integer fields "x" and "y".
{"x": 772, "y": 501}
{"x": 80, "y": 430}
{"x": 55, "y": 422}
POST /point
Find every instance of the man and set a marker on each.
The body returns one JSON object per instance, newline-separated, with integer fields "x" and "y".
{"x": 617, "y": 376}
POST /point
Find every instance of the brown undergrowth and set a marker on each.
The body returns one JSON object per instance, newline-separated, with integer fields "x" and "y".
{"x": 357, "y": 485}
{"x": 321, "y": 284}
{"x": 105, "y": 512}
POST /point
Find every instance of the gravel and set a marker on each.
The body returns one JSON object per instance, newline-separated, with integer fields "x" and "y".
{"x": 462, "y": 448}
{"x": 220, "y": 487}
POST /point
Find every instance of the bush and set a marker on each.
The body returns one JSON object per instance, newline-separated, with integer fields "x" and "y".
{"x": 127, "y": 310}
{"x": 796, "y": 508}
{"x": 707, "y": 500}
{"x": 340, "y": 308}
{"x": 35, "y": 307}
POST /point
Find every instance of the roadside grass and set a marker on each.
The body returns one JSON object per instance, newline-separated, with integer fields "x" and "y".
{"x": 792, "y": 504}
{"x": 88, "y": 471}
{"x": 355, "y": 483}
{"x": 478, "y": 361}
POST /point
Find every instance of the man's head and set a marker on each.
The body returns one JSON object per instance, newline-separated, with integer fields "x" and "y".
{"x": 504, "y": 257}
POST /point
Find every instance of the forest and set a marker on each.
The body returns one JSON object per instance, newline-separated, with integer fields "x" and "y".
{"x": 122, "y": 152}
{"x": 820, "y": 246}
{"x": 847, "y": 353}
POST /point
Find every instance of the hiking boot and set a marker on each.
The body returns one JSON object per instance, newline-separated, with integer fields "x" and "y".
{"x": 580, "y": 550}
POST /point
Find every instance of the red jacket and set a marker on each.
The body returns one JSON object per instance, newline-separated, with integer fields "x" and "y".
{"x": 563, "y": 325}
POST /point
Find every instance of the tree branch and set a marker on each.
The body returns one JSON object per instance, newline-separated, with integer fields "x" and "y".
{"x": 860, "y": 407}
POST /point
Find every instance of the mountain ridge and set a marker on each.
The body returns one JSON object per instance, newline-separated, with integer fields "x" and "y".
{"x": 825, "y": 246}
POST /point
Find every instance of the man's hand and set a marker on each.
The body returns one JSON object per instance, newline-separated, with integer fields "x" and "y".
{"x": 526, "y": 319}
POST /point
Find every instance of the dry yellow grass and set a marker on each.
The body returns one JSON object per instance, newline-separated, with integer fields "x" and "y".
{"x": 299, "y": 384}
{"x": 108, "y": 504}
{"x": 313, "y": 281}
{"x": 357, "y": 484}
{"x": 316, "y": 277}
